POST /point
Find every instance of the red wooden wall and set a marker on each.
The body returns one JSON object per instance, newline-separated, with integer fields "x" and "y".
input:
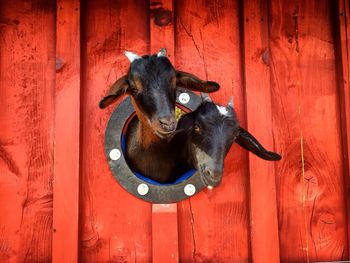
{"x": 285, "y": 62}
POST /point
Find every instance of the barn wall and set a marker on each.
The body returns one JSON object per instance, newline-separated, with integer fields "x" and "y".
{"x": 214, "y": 225}
{"x": 307, "y": 131}
{"x": 27, "y": 81}
{"x": 284, "y": 62}
{"x": 115, "y": 226}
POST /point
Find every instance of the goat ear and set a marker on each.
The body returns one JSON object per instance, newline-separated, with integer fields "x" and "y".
{"x": 116, "y": 90}
{"x": 191, "y": 82}
{"x": 230, "y": 103}
{"x": 131, "y": 56}
{"x": 162, "y": 52}
{"x": 248, "y": 142}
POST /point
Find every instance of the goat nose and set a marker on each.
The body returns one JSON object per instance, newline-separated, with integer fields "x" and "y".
{"x": 168, "y": 123}
{"x": 213, "y": 173}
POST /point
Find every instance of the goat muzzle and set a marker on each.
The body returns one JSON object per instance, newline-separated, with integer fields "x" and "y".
{"x": 211, "y": 177}
{"x": 168, "y": 124}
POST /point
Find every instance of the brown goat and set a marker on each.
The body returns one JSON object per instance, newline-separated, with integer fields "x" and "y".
{"x": 152, "y": 82}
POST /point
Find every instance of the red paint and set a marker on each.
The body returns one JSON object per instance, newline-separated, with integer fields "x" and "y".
{"x": 214, "y": 225}
{"x": 67, "y": 133}
{"x": 114, "y": 225}
{"x": 344, "y": 100}
{"x": 307, "y": 131}
{"x": 165, "y": 247}
{"x": 263, "y": 207}
{"x": 52, "y": 132}
{"x": 27, "y": 83}
{"x": 162, "y": 35}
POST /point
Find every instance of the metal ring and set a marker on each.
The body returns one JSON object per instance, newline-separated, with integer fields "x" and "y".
{"x": 169, "y": 193}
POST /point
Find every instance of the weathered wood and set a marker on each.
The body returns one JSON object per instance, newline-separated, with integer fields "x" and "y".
{"x": 343, "y": 14}
{"x": 67, "y": 133}
{"x": 27, "y": 75}
{"x": 213, "y": 225}
{"x": 263, "y": 207}
{"x": 165, "y": 246}
{"x": 309, "y": 68}
{"x": 115, "y": 226}
{"x": 307, "y": 132}
{"x": 162, "y": 27}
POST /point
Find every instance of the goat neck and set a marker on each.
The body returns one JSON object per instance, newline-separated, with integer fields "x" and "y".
{"x": 144, "y": 131}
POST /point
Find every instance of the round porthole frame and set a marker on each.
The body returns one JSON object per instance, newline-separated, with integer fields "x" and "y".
{"x": 165, "y": 193}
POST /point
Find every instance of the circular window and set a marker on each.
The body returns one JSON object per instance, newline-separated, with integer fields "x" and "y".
{"x": 138, "y": 185}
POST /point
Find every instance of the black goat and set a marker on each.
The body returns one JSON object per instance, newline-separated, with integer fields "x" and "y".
{"x": 206, "y": 135}
{"x": 201, "y": 141}
{"x": 151, "y": 82}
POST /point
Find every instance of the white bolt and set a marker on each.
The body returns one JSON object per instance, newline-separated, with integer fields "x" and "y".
{"x": 142, "y": 189}
{"x": 210, "y": 187}
{"x": 114, "y": 154}
{"x": 184, "y": 98}
{"x": 190, "y": 189}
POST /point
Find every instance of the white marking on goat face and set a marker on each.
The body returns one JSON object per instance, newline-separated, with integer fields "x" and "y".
{"x": 222, "y": 110}
{"x": 201, "y": 156}
{"x": 131, "y": 56}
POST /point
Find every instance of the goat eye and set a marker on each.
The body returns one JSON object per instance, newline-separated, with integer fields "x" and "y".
{"x": 197, "y": 129}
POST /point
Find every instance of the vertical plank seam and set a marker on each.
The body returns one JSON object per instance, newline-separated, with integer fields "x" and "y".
{"x": 341, "y": 53}
{"x": 245, "y": 112}
{"x": 82, "y": 72}
{"x": 344, "y": 87}
{"x": 346, "y": 36}
{"x": 193, "y": 234}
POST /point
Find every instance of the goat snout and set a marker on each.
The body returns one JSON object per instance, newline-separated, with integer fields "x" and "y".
{"x": 168, "y": 123}
{"x": 208, "y": 172}
{"x": 212, "y": 177}
{"x": 214, "y": 174}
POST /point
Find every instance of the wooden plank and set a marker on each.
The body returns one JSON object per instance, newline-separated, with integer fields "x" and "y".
{"x": 344, "y": 94}
{"x": 27, "y": 76}
{"x": 164, "y": 216}
{"x": 306, "y": 125}
{"x": 165, "y": 245}
{"x": 213, "y": 225}
{"x": 67, "y": 133}
{"x": 115, "y": 226}
{"x": 263, "y": 207}
{"x": 162, "y": 27}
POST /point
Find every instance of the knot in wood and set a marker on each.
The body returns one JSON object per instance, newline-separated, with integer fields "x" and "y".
{"x": 162, "y": 16}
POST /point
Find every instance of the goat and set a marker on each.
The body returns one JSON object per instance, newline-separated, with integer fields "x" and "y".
{"x": 201, "y": 141}
{"x": 151, "y": 82}
{"x": 205, "y": 137}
